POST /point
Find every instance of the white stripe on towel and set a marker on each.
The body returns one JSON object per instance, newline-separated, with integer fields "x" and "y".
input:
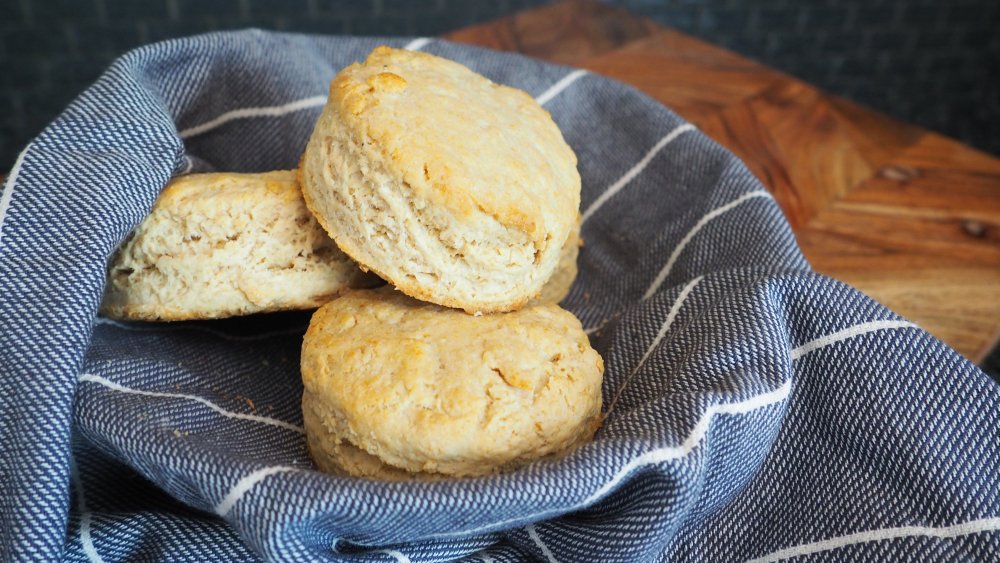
{"x": 634, "y": 171}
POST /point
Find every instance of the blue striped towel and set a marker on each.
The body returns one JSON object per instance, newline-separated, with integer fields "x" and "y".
{"x": 765, "y": 412}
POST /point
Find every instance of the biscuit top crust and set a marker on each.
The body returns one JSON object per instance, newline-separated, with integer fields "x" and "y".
{"x": 462, "y": 141}
{"x": 195, "y": 193}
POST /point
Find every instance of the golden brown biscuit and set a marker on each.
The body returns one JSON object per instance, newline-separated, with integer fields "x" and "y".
{"x": 458, "y": 191}
{"x": 429, "y": 390}
{"x": 219, "y": 245}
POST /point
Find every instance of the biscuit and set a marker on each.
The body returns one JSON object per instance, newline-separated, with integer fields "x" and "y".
{"x": 219, "y": 245}
{"x": 395, "y": 387}
{"x": 456, "y": 190}
{"x": 325, "y": 447}
{"x": 558, "y": 286}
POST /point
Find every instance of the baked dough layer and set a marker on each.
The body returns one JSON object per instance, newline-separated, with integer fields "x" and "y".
{"x": 225, "y": 244}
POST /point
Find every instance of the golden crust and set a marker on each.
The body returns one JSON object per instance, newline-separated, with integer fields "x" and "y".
{"x": 461, "y": 140}
{"x": 431, "y": 390}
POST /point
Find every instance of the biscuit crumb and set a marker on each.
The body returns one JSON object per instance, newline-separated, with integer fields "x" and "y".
{"x": 225, "y": 244}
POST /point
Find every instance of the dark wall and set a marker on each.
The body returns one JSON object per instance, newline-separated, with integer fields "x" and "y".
{"x": 50, "y": 50}
{"x": 929, "y": 62}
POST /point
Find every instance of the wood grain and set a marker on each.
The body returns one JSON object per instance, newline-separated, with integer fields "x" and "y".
{"x": 907, "y": 216}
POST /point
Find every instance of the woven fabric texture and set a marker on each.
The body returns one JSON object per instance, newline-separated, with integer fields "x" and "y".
{"x": 761, "y": 411}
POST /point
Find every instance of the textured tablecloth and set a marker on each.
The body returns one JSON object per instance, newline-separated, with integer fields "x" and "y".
{"x": 765, "y": 411}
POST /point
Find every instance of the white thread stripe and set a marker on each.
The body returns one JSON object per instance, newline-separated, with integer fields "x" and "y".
{"x": 665, "y": 271}
{"x": 487, "y": 559}
{"x": 399, "y": 557}
{"x": 674, "y": 310}
{"x": 848, "y": 333}
{"x": 696, "y": 436}
{"x": 9, "y": 192}
{"x": 244, "y": 485}
{"x": 156, "y": 394}
{"x": 559, "y": 86}
{"x": 654, "y": 456}
{"x": 149, "y": 327}
{"x": 86, "y": 540}
{"x": 533, "y": 534}
{"x": 189, "y": 164}
{"x": 418, "y": 43}
{"x": 589, "y": 331}
{"x": 946, "y": 532}
{"x": 243, "y": 113}
{"x": 634, "y": 171}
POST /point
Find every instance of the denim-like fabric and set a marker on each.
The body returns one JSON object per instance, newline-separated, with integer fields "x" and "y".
{"x": 762, "y": 410}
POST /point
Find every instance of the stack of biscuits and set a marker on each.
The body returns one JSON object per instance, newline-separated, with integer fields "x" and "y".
{"x": 464, "y": 197}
